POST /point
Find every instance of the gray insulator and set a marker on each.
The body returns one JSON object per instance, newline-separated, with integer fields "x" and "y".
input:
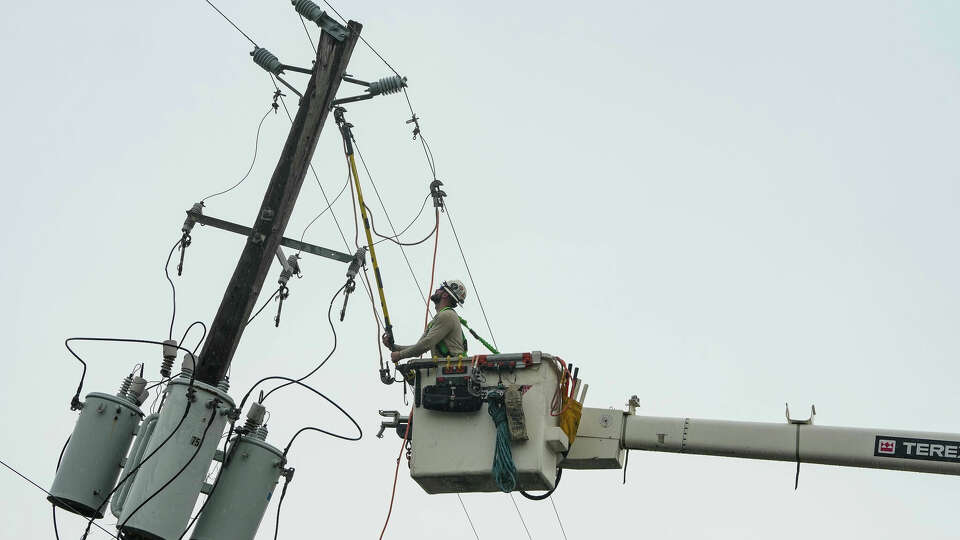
{"x": 224, "y": 384}
{"x": 169, "y": 355}
{"x": 308, "y": 9}
{"x": 255, "y": 416}
{"x": 387, "y": 85}
{"x": 261, "y": 433}
{"x": 125, "y": 386}
{"x": 188, "y": 365}
{"x": 267, "y": 60}
{"x": 284, "y": 276}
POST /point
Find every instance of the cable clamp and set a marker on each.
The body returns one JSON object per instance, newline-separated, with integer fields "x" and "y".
{"x": 437, "y": 194}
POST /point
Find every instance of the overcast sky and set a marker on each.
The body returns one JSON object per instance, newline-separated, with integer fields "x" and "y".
{"x": 719, "y": 207}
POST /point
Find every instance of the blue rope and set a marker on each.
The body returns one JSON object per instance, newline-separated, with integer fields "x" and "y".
{"x": 504, "y": 471}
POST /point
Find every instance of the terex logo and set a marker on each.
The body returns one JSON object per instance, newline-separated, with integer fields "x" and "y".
{"x": 886, "y": 446}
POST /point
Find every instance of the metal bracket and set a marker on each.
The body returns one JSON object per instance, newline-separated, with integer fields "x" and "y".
{"x": 328, "y": 24}
{"x": 198, "y": 217}
{"x": 395, "y": 421}
{"x": 807, "y": 422}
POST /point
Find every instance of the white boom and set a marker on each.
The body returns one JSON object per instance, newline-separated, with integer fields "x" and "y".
{"x": 605, "y": 433}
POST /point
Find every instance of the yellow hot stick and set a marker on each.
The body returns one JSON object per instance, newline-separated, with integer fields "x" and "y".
{"x": 373, "y": 253}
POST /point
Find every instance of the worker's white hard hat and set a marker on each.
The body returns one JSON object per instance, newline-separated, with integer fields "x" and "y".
{"x": 456, "y": 289}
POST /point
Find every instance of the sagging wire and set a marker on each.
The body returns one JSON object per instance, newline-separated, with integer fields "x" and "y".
{"x": 256, "y": 146}
{"x": 75, "y": 402}
{"x": 324, "y": 361}
{"x": 405, "y": 229}
{"x": 390, "y": 221}
{"x": 315, "y": 391}
{"x": 202, "y": 337}
{"x": 173, "y": 288}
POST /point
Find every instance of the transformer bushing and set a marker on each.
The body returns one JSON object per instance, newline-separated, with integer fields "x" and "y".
{"x": 171, "y": 479}
{"x": 92, "y": 460}
{"x": 246, "y": 484}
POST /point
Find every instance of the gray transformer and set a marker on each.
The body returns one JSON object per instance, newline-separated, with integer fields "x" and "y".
{"x": 243, "y": 490}
{"x": 92, "y": 460}
{"x": 165, "y": 489}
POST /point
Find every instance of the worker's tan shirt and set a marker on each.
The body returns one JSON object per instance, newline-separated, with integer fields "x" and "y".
{"x": 444, "y": 328}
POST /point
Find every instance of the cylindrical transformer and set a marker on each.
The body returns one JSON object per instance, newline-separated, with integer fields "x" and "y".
{"x": 167, "y": 484}
{"x": 243, "y": 491}
{"x": 92, "y": 460}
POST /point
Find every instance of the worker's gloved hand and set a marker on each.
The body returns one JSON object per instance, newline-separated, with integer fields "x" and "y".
{"x": 388, "y": 340}
{"x": 395, "y": 356}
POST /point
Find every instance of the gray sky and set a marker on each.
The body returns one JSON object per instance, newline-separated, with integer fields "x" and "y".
{"x": 718, "y": 208}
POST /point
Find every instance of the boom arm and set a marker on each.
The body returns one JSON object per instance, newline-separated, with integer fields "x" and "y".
{"x": 605, "y": 433}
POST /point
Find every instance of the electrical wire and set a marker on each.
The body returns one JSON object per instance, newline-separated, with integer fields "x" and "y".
{"x": 127, "y": 476}
{"x": 56, "y": 533}
{"x": 202, "y": 337}
{"x": 203, "y": 437}
{"x": 393, "y": 238}
{"x": 173, "y": 288}
{"x": 330, "y": 354}
{"x": 256, "y": 146}
{"x": 405, "y": 229}
{"x": 66, "y": 343}
{"x": 232, "y": 23}
{"x": 264, "y": 306}
{"x": 403, "y": 252}
{"x": 470, "y": 275}
{"x": 317, "y": 178}
{"x": 315, "y": 391}
{"x": 223, "y": 465}
{"x": 283, "y": 495}
{"x": 521, "y": 515}
{"x": 468, "y": 516}
{"x": 562, "y": 530}
{"x": 312, "y": 221}
{"x": 36, "y": 485}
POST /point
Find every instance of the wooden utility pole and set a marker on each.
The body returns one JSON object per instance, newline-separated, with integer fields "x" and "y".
{"x": 278, "y": 202}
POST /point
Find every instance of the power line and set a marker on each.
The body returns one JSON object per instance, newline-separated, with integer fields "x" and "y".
{"x": 232, "y": 24}
{"x": 36, "y": 485}
{"x": 470, "y": 275}
{"x": 558, "y": 518}
{"x": 521, "y": 516}
{"x": 468, "y": 516}
{"x": 256, "y": 145}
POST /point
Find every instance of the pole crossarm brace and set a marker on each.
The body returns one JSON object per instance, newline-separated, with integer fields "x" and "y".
{"x": 284, "y": 241}
{"x": 271, "y": 220}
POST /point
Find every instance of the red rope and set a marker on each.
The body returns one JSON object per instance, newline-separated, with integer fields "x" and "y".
{"x": 396, "y": 472}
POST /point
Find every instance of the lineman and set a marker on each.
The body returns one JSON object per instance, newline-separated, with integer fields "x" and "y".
{"x": 443, "y": 335}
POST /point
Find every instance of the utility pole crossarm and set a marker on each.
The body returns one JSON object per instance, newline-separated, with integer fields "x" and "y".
{"x": 278, "y": 203}
{"x": 286, "y": 242}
